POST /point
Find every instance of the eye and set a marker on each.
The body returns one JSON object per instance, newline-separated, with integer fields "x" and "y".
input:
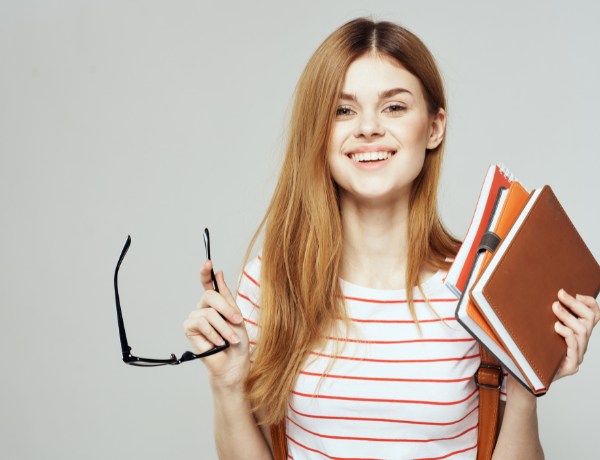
{"x": 395, "y": 108}
{"x": 343, "y": 111}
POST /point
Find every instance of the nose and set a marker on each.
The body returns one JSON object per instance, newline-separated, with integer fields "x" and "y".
{"x": 369, "y": 126}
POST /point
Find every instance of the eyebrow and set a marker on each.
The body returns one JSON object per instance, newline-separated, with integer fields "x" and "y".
{"x": 382, "y": 94}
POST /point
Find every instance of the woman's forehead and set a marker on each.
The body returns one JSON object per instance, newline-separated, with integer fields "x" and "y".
{"x": 370, "y": 76}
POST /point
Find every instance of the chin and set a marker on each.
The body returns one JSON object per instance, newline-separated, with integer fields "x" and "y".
{"x": 376, "y": 196}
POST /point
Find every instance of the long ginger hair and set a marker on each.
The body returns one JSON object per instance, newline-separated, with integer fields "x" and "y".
{"x": 301, "y": 298}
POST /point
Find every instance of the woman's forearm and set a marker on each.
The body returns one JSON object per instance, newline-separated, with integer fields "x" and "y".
{"x": 237, "y": 435}
{"x": 519, "y": 438}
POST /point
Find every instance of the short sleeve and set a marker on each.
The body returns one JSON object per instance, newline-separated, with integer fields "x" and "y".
{"x": 503, "y": 388}
{"x": 248, "y": 298}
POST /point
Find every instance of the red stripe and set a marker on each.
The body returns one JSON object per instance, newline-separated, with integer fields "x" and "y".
{"x": 502, "y": 393}
{"x": 358, "y": 299}
{"x": 250, "y": 278}
{"x": 381, "y": 419}
{"x": 251, "y": 322}
{"x": 354, "y": 458}
{"x": 408, "y": 321}
{"x": 390, "y": 342}
{"x": 350, "y": 438}
{"x": 382, "y": 379}
{"x": 396, "y": 360}
{"x": 325, "y": 455}
{"x": 248, "y": 299}
{"x": 343, "y": 398}
{"x": 259, "y": 257}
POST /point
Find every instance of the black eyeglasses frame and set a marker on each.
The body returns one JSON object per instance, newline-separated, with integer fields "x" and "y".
{"x": 132, "y": 360}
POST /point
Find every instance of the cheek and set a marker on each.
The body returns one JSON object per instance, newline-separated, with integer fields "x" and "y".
{"x": 334, "y": 157}
{"x": 334, "y": 160}
{"x": 413, "y": 133}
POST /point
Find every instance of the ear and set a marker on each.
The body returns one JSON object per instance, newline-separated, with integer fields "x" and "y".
{"x": 436, "y": 129}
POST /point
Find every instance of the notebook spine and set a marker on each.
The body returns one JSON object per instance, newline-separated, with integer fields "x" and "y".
{"x": 506, "y": 173}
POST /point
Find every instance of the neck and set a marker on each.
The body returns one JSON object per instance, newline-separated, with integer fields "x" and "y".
{"x": 375, "y": 241}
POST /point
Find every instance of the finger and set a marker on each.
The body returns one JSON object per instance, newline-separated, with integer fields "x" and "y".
{"x": 222, "y": 326}
{"x": 213, "y": 299}
{"x": 214, "y": 328}
{"x": 208, "y": 330}
{"x": 567, "y": 318}
{"x": 223, "y": 289}
{"x": 592, "y": 304}
{"x": 572, "y": 360}
{"x": 205, "y": 277}
{"x": 192, "y": 331}
{"x": 576, "y": 306}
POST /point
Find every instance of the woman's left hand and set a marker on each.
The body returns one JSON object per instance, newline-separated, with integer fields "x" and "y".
{"x": 575, "y": 325}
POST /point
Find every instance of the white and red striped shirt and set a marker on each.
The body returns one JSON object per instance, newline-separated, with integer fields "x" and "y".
{"x": 392, "y": 394}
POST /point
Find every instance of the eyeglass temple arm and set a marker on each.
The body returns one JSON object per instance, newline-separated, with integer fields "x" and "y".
{"x": 207, "y": 247}
{"x": 125, "y": 348}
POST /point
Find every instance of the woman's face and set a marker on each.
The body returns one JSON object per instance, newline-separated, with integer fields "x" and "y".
{"x": 382, "y": 109}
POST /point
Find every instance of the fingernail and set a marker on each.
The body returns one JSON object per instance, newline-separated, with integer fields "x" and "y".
{"x": 565, "y": 294}
{"x": 237, "y": 318}
{"x": 235, "y": 338}
{"x": 220, "y": 341}
{"x": 579, "y": 296}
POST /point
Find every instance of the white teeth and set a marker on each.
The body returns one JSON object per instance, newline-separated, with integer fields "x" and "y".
{"x": 370, "y": 156}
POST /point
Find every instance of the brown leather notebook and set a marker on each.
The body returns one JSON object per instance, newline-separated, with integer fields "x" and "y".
{"x": 542, "y": 253}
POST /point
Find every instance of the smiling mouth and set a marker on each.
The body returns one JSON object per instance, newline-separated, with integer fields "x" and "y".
{"x": 368, "y": 157}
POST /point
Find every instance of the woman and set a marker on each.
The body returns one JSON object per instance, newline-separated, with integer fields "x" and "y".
{"x": 343, "y": 327}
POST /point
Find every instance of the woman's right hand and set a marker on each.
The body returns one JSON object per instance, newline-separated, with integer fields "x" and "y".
{"x": 205, "y": 328}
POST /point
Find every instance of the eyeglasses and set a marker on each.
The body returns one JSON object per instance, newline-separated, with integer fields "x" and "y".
{"x": 128, "y": 358}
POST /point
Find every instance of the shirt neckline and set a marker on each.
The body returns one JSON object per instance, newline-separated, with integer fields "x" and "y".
{"x": 428, "y": 286}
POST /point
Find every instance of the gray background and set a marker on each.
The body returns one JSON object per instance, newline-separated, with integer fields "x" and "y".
{"x": 157, "y": 119}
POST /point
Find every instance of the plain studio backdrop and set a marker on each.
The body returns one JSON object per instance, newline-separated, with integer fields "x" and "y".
{"x": 158, "y": 119}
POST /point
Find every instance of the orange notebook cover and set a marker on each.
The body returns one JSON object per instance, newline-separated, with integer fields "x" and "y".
{"x": 514, "y": 203}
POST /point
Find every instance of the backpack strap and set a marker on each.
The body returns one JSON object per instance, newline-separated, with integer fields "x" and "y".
{"x": 489, "y": 380}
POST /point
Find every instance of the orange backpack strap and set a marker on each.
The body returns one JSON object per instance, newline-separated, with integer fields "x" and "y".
{"x": 279, "y": 441}
{"x": 489, "y": 380}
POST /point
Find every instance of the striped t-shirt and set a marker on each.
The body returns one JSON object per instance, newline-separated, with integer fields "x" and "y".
{"x": 392, "y": 394}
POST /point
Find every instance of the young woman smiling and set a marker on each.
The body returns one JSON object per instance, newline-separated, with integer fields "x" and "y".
{"x": 343, "y": 331}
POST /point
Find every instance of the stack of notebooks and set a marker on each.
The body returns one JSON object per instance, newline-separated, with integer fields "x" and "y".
{"x": 520, "y": 250}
